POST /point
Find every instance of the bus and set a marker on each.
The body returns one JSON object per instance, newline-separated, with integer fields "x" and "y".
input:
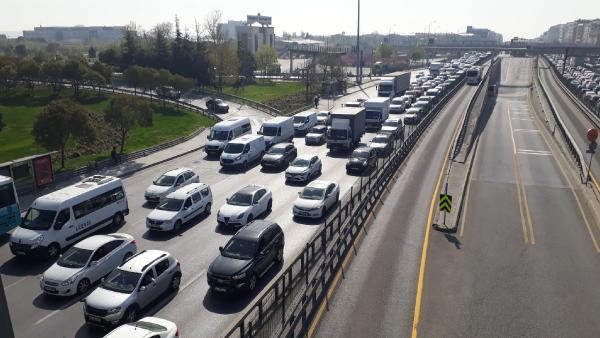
{"x": 473, "y": 75}
{"x": 10, "y": 214}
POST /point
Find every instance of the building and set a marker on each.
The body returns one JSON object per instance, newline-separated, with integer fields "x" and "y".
{"x": 585, "y": 32}
{"x": 484, "y": 34}
{"x": 81, "y": 34}
{"x": 251, "y": 34}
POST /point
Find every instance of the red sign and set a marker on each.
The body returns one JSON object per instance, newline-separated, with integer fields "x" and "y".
{"x": 592, "y": 135}
{"x": 42, "y": 168}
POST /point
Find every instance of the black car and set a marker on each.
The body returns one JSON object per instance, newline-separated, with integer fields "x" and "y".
{"x": 279, "y": 156}
{"x": 217, "y": 106}
{"x": 361, "y": 159}
{"x": 247, "y": 256}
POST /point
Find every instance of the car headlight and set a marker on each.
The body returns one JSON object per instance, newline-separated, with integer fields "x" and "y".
{"x": 239, "y": 157}
{"x": 114, "y": 310}
{"x": 239, "y": 276}
{"x": 240, "y": 216}
{"x": 69, "y": 281}
{"x": 37, "y": 241}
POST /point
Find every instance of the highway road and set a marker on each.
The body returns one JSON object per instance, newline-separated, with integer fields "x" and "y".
{"x": 573, "y": 117}
{"x": 525, "y": 260}
{"x": 376, "y": 296}
{"x": 197, "y": 311}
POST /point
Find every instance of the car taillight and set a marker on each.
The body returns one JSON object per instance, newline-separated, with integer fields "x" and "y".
{"x": 134, "y": 242}
{"x": 177, "y": 333}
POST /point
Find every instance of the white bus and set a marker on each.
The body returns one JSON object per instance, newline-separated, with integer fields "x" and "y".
{"x": 473, "y": 75}
{"x": 10, "y": 215}
{"x": 60, "y": 218}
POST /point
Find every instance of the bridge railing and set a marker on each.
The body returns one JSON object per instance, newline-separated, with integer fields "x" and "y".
{"x": 289, "y": 302}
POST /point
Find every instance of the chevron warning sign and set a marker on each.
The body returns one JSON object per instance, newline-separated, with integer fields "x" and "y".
{"x": 445, "y": 203}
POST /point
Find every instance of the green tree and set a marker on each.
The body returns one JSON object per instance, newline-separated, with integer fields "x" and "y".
{"x": 2, "y": 124}
{"x": 181, "y": 84}
{"x": 8, "y": 74}
{"x": 123, "y": 113}
{"x": 416, "y": 53}
{"x": 162, "y": 82}
{"x": 265, "y": 57}
{"x": 60, "y": 121}
{"x": 224, "y": 61}
{"x": 28, "y": 71}
{"x": 133, "y": 77}
{"x": 74, "y": 71}
{"x": 110, "y": 56}
{"x": 94, "y": 79}
{"x": 384, "y": 51}
{"x": 130, "y": 45}
{"x": 161, "y": 33}
{"x": 104, "y": 70}
{"x": 247, "y": 62}
{"x": 148, "y": 78}
{"x": 52, "y": 71}
{"x": 21, "y": 50}
{"x": 92, "y": 52}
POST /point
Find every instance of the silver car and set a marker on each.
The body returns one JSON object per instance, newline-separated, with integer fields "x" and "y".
{"x": 304, "y": 169}
{"x": 126, "y": 291}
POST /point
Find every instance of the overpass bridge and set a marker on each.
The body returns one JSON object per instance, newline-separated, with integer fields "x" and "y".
{"x": 535, "y": 49}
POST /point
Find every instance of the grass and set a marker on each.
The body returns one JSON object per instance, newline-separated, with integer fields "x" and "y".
{"x": 19, "y": 111}
{"x": 265, "y": 91}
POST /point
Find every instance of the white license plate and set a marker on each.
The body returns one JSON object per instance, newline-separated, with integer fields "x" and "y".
{"x": 51, "y": 289}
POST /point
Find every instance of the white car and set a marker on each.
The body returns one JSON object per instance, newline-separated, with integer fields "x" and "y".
{"x": 393, "y": 126}
{"x": 316, "y": 198}
{"x": 245, "y": 205}
{"x": 303, "y": 169}
{"x": 180, "y": 207}
{"x": 147, "y": 327}
{"x": 87, "y": 262}
{"x": 323, "y": 117}
{"x": 169, "y": 182}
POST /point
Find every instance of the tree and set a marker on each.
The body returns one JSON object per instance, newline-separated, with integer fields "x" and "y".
{"x": 130, "y": 44}
{"x": 60, "y": 121}
{"x": 21, "y": 50}
{"x": 2, "y": 124}
{"x": 52, "y": 71}
{"x": 162, "y": 81}
{"x": 416, "y": 53}
{"x": 265, "y": 57}
{"x": 110, "y": 56}
{"x": 94, "y": 79}
{"x": 181, "y": 84}
{"x": 104, "y": 70}
{"x": 8, "y": 74}
{"x": 247, "y": 62}
{"x": 123, "y": 113}
{"x": 211, "y": 27}
{"x": 384, "y": 51}
{"x": 148, "y": 79}
{"x": 161, "y": 33}
{"x": 224, "y": 61}
{"x": 74, "y": 71}
{"x": 28, "y": 71}
{"x": 92, "y": 52}
{"x": 133, "y": 76}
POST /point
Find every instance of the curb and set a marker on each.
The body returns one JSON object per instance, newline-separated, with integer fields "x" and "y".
{"x": 150, "y": 165}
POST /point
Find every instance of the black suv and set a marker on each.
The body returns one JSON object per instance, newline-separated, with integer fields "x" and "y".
{"x": 279, "y": 156}
{"x": 361, "y": 159}
{"x": 247, "y": 256}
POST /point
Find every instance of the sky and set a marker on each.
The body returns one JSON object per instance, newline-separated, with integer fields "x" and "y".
{"x": 523, "y": 18}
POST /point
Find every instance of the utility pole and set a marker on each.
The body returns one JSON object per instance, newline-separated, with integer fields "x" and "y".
{"x": 358, "y": 68}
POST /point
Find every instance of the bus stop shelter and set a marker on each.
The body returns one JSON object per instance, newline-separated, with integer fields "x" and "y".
{"x": 30, "y": 173}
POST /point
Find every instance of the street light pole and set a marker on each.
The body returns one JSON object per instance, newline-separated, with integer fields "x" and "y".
{"x": 358, "y": 46}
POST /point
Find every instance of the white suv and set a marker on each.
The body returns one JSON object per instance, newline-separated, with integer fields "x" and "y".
{"x": 86, "y": 262}
{"x": 169, "y": 182}
{"x": 126, "y": 291}
{"x": 180, "y": 207}
{"x": 245, "y": 205}
{"x": 316, "y": 198}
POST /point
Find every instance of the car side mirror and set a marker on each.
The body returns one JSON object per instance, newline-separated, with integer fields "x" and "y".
{"x": 208, "y": 137}
{"x": 227, "y": 199}
{"x": 220, "y": 249}
{"x": 299, "y": 193}
{"x": 142, "y": 288}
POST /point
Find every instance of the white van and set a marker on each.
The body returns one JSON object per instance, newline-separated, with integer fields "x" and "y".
{"x": 225, "y": 131}
{"x": 179, "y": 207}
{"x": 243, "y": 150}
{"x": 278, "y": 129}
{"x": 304, "y": 121}
{"x": 65, "y": 216}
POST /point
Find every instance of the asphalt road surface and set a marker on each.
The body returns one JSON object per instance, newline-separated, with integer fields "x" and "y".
{"x": 524, "y": 262}
{"x": 196, "y": 310}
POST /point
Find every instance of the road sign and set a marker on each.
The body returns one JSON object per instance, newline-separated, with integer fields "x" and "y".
{"x": 445, "y": 203}
{"x": 592, "y": 135}
{"x": 592, "y": 147}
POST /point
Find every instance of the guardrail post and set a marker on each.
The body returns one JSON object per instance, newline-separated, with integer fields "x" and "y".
{"x": 283, "y": 302}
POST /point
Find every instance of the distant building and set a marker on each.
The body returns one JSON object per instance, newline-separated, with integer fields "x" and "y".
{"x": 251, "y": 34}
{"x": 585, "y": 32}
{"x": 484, "y": 34}
{"x": 82, "y": 34}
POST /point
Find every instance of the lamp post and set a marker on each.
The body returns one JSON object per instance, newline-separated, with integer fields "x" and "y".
{"x": 358, "y": 65}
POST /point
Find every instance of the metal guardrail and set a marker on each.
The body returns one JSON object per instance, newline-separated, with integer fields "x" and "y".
{"x": 286, "y": 306}
{"x": 238, "y": 99}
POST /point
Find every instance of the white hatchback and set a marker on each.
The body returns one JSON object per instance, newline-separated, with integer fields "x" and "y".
{"x": 87, "y": 262}
{"x": 151, "y": 327}
{"x": 245, "y": 205}
{"x": 316, "y": 198}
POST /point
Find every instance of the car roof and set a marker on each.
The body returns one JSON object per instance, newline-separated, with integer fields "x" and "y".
{"x": 281, "y": 145}
{"x": 319, "y": 184}
{"x": 246, "y": 139}
{"x": 187, "y": 190}
{"x": 130, "y": 330}
{"x": 176, "y": 172}
{"x": 141, "y": 261}
{"x": 307, "y": 157}
{"x": 94, "y": 242}
{"x": 382, "y": 135}
{"x": 250, "y": 189}
{"x": 253, "y": 230}
{"x": 277, "y": 120}
{"x": 363, "y": 149}
{"x": 393, "y": 119}
{"x": 306, "y": 113}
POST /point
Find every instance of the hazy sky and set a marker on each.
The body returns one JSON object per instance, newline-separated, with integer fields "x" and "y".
{"x": 523, "y": 18}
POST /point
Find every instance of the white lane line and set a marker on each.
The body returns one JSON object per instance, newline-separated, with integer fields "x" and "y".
{"x": 195, "y": 278}
{"x": 15, "y": 283}
{"x": 521, "y": 118}
{"x": 527, "y": 130}
{"x": 64, "y": 307}
{"x": 535, "y": 152}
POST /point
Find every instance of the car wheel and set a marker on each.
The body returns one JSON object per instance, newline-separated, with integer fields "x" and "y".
{"x": 249, "y": 219}
{"x": 207, "y": 208}
{"x": 280, "y": 255}
{"x": 337, "y": 197}
{"x": 127, "y": 256}
{"x": 323, "y": 212}
{"x": 130, "y": 315}
{"x": 177, "y": 227}
{"x": 245, "y": 165}
{"x": 270, "y": 205}
{"x": 118, "y": 219}
{"x": 53, "y": 250}
{"x": 175, "y": 282}
{"x": 83, "y": 286}
{"x": 252, "y": 282}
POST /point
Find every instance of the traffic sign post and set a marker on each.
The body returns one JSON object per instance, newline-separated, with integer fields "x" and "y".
{"x": 445, "y": 204}
{"x": 592, "y": 135}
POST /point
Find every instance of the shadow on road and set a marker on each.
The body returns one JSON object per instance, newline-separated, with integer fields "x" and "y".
{"x": 21, "y": 267}
{"x": 162, "y": 236}
{"x": 452, "y": 239}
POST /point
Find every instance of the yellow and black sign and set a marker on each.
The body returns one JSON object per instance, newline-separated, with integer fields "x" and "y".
{"x": 445, "y": 203}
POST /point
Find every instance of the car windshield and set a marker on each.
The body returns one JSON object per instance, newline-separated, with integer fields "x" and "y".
{"x": 240, "y": 199}
{"x": 233, "y": 148}
{"x": 276, "y": 150}
{"x": 7, "y": 195}
{"x": 171, "y": 204}
{"x": 338, "y": 134}
{"x": 269, "y": 131}
{"x": 299, "y": 119}
{"x": 380, "y": 139}
{"x": 300, "y": 162}
{"x": 240, "y": 249}
{"x": 311, "y": 193}
{"x": 38, "y": 219}
{"x": 390, "y": 123}
{"x": 121, "y": 281}
{"x": 165, "y": 181}
{"x": 360, "y": 154}
{"x": 74, "y": 258}
{"x": 219, "y": 135}
{"x": 317, "y": 130}
{"x": 323, "y": 114}
{"x": 152, "y": 327}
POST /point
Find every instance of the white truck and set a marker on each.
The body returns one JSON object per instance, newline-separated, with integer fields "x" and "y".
{"x": 377, "y": 110}
{"x": 347, "y": 127}
{"x": 435, "y": 67}
{"x": 393, "y": 84}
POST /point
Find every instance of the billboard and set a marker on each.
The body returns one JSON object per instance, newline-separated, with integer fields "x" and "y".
{"x": 42, "y": 168}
